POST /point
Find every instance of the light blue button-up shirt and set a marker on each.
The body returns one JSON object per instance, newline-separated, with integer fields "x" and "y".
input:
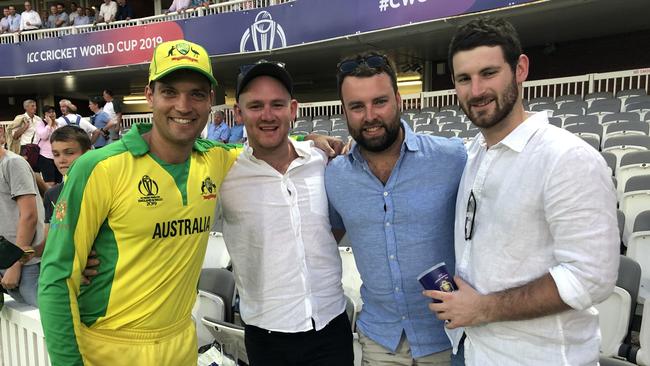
{"x": 236, "y": 133}
{"x": 397, "y": 231}
{"x": 220, "y": 132}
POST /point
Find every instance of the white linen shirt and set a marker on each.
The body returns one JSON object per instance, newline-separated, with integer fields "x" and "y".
{"x": 32, "y": 17}
{"x": 83, "y": 123}
{"x": 276, "y": 228}
{"x": 107, "y": 12}
{"x": 30, "y": 136}
{"x": 545, "y": 202}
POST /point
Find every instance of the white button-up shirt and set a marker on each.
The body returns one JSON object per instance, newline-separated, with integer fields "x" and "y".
{"x": 29, "y": 136}
{"x": 545, "y": 202}
{"x": 276, "y": 228}
{"x": 32, "y": 17}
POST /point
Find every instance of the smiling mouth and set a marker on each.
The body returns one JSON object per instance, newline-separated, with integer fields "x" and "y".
{"x": 268, "y": 128}
{"x": 482, "y": 103}
{"x": 181, "y": 121}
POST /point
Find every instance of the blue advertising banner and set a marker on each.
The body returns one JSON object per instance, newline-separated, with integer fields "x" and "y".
{"x": 289, "y": 24}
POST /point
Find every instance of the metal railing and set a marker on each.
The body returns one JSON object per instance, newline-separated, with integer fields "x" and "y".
{"x": 227, "y": 7}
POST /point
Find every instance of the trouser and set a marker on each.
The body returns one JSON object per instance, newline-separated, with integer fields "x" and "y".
{"x": 27, "y": 289}
{"x": 329, "y": 346}
{"x": 174, "y": 345}
{"x": 374, "y": 354}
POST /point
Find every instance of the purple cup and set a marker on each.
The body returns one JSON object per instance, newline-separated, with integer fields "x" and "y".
{"x": 437, "y": 278}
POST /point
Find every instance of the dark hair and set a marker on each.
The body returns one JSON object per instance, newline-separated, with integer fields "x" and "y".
{"x": 363, "y": 70}
{"x": 109, "y": 92}
{"x": 49, "y": 108}
{"x": 72, "y": 133}
{"x": 486, "y": 31}
{"x": 97, "y": 100}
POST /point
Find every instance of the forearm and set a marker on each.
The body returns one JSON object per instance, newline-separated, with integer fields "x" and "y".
{"x": 532, "y": 300}
{"x": 27, "y": 220}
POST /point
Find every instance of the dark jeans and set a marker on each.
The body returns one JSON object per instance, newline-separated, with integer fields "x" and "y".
{"x": 329, "y": 346}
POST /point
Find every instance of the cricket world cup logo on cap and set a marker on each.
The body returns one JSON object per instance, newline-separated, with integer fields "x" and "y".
{"x": 261, "y": 35}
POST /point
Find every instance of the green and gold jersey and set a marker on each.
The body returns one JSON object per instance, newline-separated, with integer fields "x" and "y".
{"x": 148, "y": 221}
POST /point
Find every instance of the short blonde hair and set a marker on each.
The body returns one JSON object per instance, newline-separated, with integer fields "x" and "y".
{"x": 71, "y": 107}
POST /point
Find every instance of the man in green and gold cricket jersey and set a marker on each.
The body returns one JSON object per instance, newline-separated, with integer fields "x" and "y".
{"x": 145, "y": 205}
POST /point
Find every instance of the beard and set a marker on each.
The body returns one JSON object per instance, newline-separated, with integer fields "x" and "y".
{"x": 503, "y": 106}
{"x": 379, "y": 143}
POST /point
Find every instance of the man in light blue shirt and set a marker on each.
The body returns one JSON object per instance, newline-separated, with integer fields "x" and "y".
{"x": 218, "y": 130}
{"x": 237, "y": 132}
{"x": 394, "y": 194}
{"x": 14, "y": 20}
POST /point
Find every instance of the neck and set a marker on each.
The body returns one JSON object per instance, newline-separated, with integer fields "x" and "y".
{"x": 279, "y": 158}
{"x": 493, "y": 135}
{"x": 167, "y": 152}
{"x": 31, "y": 115}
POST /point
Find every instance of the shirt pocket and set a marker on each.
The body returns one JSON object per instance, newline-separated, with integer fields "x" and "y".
{"x": 317, "y": 195}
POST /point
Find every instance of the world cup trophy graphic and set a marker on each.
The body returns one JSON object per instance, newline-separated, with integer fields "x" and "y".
{"x": 262, "y": 34}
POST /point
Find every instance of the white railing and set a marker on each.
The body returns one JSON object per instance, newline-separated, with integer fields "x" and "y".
{"x": 557, "y": 87}
{"x": 320, "y": 108}
{"x": 621, "y": 80}
{"x": 21, "y": 336}
{"x": 227, "y": 7}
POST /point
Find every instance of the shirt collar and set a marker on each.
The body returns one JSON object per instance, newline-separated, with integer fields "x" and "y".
{"x": 137, "y": 146}
{"x": 519, "y": 137}
{"x": 303, "y": 150}
{"x": 409, "y": 143}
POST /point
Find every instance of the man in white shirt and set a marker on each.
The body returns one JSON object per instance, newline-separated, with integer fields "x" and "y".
{"x": 107, "y": 12}
{"x": 536, "y": 234}
{"x": 69, "y": 117}
{"x": 29, "y": 19}
{"x": 276, "y": 227}
{"x": 24, "y": 126}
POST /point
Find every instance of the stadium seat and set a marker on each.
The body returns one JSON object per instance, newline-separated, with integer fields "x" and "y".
{"x": 626, "y": 129}
{"x": 544, "y": 107}
{"x": 300, "y": 130}
{"x": 342, "y": 134}
{"x": 321, "y": 132}
{"x": 574, "y": 120}
{"x": 562, "y": 99}
{"x": 337, "y": 117}
{"x": 587, "y": 129}
{"x": 636, "y": 99}
{"x": 571, "y": 109}
{"x": 320, "y": 118}
{"x": 411, "y": 112}
{"x": 420, "y": 121}
{"x": 620, "y": 219}
{"x": 621, "y": 117}
{"x": 610, "y": 159}
{"x": 555, "y": 121}
{"x": 589, "y": 98}
{"x": 445, "y": 113}
{"x": 629, "y": 278}
{"x": 430, "y": 110}
{"x": 230, "y": 337}
{"x": 614, "y": 319}
{"x": 621, "y": 145}
{"x": 610, "y": 361}
{"x": 638, "y": 248}
{"x": 424, "y": 116}
{"x": 445, "y": 120}
{"x": 454, "y": 126}
{"x": 455, "y": 108}
{"x": 592, "y": 141}
{"x": 630, "y": 93}
{"x": 216, "y": 291}
{"x": 642, "y": 356}
{"x": 303, "y": 119}
{"x": 216, "y": 255}
{"x": 542, "y": 100}
{"x": 635, "y": 199}
{"x": 601, "y": 107}
{"x": 323, "y": 124}
{"x": 430, "y": 128}
{"x": 339, "y": 124}
{"x": 468, "y": 134}
{"x": 641, "y": 108}
{"x": 350, "y": 279}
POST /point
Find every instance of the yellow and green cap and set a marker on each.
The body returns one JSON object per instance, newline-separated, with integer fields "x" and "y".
{"x": 180, "y": 54}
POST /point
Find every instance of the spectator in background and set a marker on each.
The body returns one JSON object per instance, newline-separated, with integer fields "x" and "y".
{"x": 198, "y": 3}
{"x": 101, "y": 120}
{"x": 44, "y": 130}
{"x": 29, "y": 19}
{"x": 124, "y": 11}
{"x": 90, "y": 12}
{"x": 114, "y": 109}
{"x": 218, "y": 130}
{"x": 81, "y": 18}
{"x": 23, "y": 128}
{"x": 44, "y": 15}
{"x": 62, "y": 18}
{"x": 107, "y": 12}
{"x": 73, "y": 13}
{"x": 179, "y": 6}
{"x": 237, "y": 132}
{"x": 14, "y": 20}
{"x": 52, "y": 18}
{"x": 70, "y": 118}
{"x": 21, "y": 210}
{"x": 4, "y": 22}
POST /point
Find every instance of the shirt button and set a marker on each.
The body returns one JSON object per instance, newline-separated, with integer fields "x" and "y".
{"x": 391, "y": 256}
{"x": 388, "y": 224}
{"x": 396, "y": 289}
{"x": 385, "y": 194}
{"x": 403, "y": 318}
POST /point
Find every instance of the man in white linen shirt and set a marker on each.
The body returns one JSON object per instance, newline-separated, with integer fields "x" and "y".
{"x": 107, "y": 12}
{"x": 29, "y": 19}
{"x": 69, "y": 117}
{"x": 276, "y": 228}
{"x": 536, "y": 234}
